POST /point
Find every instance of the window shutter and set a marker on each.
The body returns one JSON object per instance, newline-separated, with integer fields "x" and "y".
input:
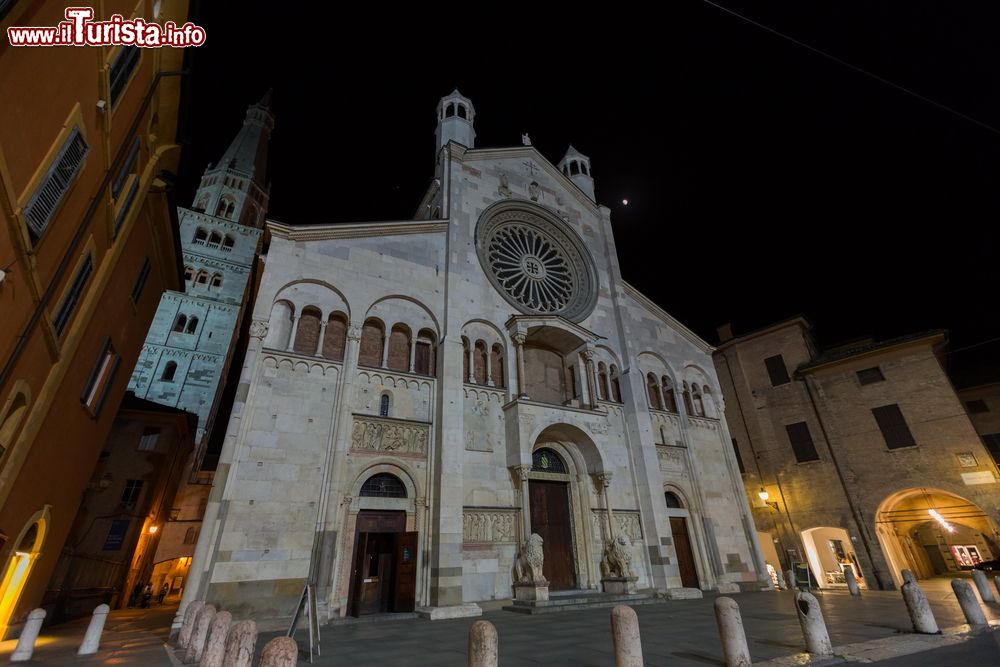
{"x": 802, "y": 443}
{"x": 65, "y": 309}
{"x": 43, "y": 204}
{"x": 776, "y": 370}
{"x": 893, "y": 426}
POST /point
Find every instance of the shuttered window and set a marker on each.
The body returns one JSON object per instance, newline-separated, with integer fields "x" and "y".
{"x": 893, "y": 426}
{"x": 870, "y": 375}
{"x": 140, "y": 281}
{"x": 802, "y": 442}
{"x": 126, "y": 185}
{"x": 992, "y": 442}
{"x": 121, "y": 70}
{"x": 42, "y": 206}
{"x": 101, "y": 377}
{"x": 66, "y": 307}
{"x": 776, "y": 370}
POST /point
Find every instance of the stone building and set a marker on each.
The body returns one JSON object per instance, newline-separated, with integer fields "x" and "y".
{"x": 982, "y": 402}
{"x": 124, "y": 509}
{"x": 418, "y": 396}
{"x": 87, "y": 153}
{"x": 192, "y": 339}
{"x": 858, "y": 455}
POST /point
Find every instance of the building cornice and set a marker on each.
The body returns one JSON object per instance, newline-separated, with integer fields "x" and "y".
{"x": 355, "y": 230}
{"x": 931, "y": 338}
{"x": 667, "y": 318}
{"x": 769, "y": 329}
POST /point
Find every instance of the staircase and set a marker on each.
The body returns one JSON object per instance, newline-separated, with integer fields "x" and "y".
{"x": 578, "y": 599}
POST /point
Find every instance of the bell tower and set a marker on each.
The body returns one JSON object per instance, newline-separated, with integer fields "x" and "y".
{"x": 235, "y": 189}
{"x": 576, "y": 165}
{"x": 455, "y": 115}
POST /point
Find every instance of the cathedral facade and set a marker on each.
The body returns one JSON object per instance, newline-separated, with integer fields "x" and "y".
{"x": 420, "y": 397}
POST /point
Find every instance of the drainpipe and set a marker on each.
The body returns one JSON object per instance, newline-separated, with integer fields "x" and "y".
{"x": 858, "y": 519}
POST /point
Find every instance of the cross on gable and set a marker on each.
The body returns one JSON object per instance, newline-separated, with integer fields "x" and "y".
{"x": 530, "y": 167}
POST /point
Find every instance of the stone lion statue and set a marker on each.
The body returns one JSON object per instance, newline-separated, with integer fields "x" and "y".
{"x": 617, "y": 561}
{"x": 528, "y": 566}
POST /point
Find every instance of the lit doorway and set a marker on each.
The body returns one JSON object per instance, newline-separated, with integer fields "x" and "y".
{"x": 830, "y": 551}
{"x": 22, "y": 559}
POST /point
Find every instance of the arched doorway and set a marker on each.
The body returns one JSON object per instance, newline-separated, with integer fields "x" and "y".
{"x": 680, "y": 517}
{"x": 551, "y": 516}
{"x": 27, "y": 549}
{"x": 934, "y": 532}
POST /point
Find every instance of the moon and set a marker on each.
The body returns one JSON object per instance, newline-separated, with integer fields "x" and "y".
{"x": 625, "y": 202}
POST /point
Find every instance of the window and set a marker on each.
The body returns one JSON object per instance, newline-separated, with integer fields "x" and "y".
{"x": 776, "y": 370}
{"x": 180, "y": 323}
{"x": 131, "y": 493}
{"x": 202, "y": 277}
{"x": 992, "y": 442}
{"x": 977, "y": 406}
{"x": 216, "y": 281}
{"x": 870, "y": 375}
{"x": 140, "y": 281}
{"x": 150, "y": 434}
{"x": 188, "y": 274}
{"x": 129, "y": 176}
{"x": 652, "y": 392}
{"x": 200, "y": 236}
{"x": 546, "y": 460}
{"x": 227, "y": 243}
{"x": 192, "y": 325}
{"x": 101, "y": 376}
{"x": 121, "y": 70}
{"x": 802, "y": 443}
{"x": 68, "y": 304}
{"x": 191, "y": 536}
{"x": 214, "y": 240}
{"x": 669, "y": 398}
{"x": 40, "y": 209}
{"x": 383, "y": 485}
{"x": 739, "y": 458}
{"x": 383, "y": 406}
{"x": 673, "y": 502}
{"x": 11, "y": 423}
{"x": 893, "y": 426}
{"x": 169, "y": 371}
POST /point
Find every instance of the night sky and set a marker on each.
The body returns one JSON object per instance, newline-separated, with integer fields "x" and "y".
{"x": 764, "y": 180}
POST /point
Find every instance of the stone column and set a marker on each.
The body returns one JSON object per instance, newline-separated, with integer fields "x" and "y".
{"x": 291, "y": 337}
{"x": 519, "y": 339}
{"x": 489, "y": 368}
{"x": 520, "y": 474}
{"x": 603, "y": 482}
{"x": 413, "y": 354}
{"x": 385, "y": 350}
{"x": 322, "y": 335}
{"x": 472, "y": 369}
{"x": 588, "y": 362}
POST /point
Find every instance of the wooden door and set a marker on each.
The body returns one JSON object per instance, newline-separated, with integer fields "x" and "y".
{"x": 405, "y": 577}
{"x": 550, "y": 519}
{"x": 374, "y": 555}
{"x": 685, "y": 558}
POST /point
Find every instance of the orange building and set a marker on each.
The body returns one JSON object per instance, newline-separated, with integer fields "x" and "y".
{"x": 87, "y": 245}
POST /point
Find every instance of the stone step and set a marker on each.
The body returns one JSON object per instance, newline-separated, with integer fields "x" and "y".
{"x": 595, "y": 601}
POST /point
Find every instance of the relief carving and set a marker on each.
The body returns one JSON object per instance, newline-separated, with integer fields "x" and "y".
{"x": 385, "y": 435}
{"x": 628, "y": 525}
{"x": 489, "y": 526}
{"x": 672, "y": 459}
{"x": 258, "y": 329}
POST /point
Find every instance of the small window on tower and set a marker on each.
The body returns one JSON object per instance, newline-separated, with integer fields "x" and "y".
{"x": 870, "y": 375}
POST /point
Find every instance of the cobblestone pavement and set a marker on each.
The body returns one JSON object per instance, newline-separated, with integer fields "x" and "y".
{"x": 678, "y": 632}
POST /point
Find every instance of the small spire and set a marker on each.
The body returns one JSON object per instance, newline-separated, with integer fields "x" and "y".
{"x": 266, "y": 100}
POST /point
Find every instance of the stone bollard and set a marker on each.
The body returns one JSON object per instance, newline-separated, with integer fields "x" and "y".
{"x": 919, "y": 609}
{"x": 26, "y": 642}
{"x": 282, "y": 652}
{"x": 967, "y": 601}
{"x": 734, "y": 639}
{"x": 983, "y": 584}
{"x": 996, "y": 582}
{"x": 852, "y": 582}
{"x": 790, "y": 577}
{"x": 240, "y": 644}
{"x": 184, "y": 638}
{"x": 92, "y": 638}
{"x": 908, "y": 576}
{"x": 483, "y": 645}
{"x": 196, "y": 645}
{"x": 813, "y": 625}
{"x": 215, "y": 647}
{"x": 625, "y": 636}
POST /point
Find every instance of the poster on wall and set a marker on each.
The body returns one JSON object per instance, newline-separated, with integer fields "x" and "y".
{"x": 966, "y": 555}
